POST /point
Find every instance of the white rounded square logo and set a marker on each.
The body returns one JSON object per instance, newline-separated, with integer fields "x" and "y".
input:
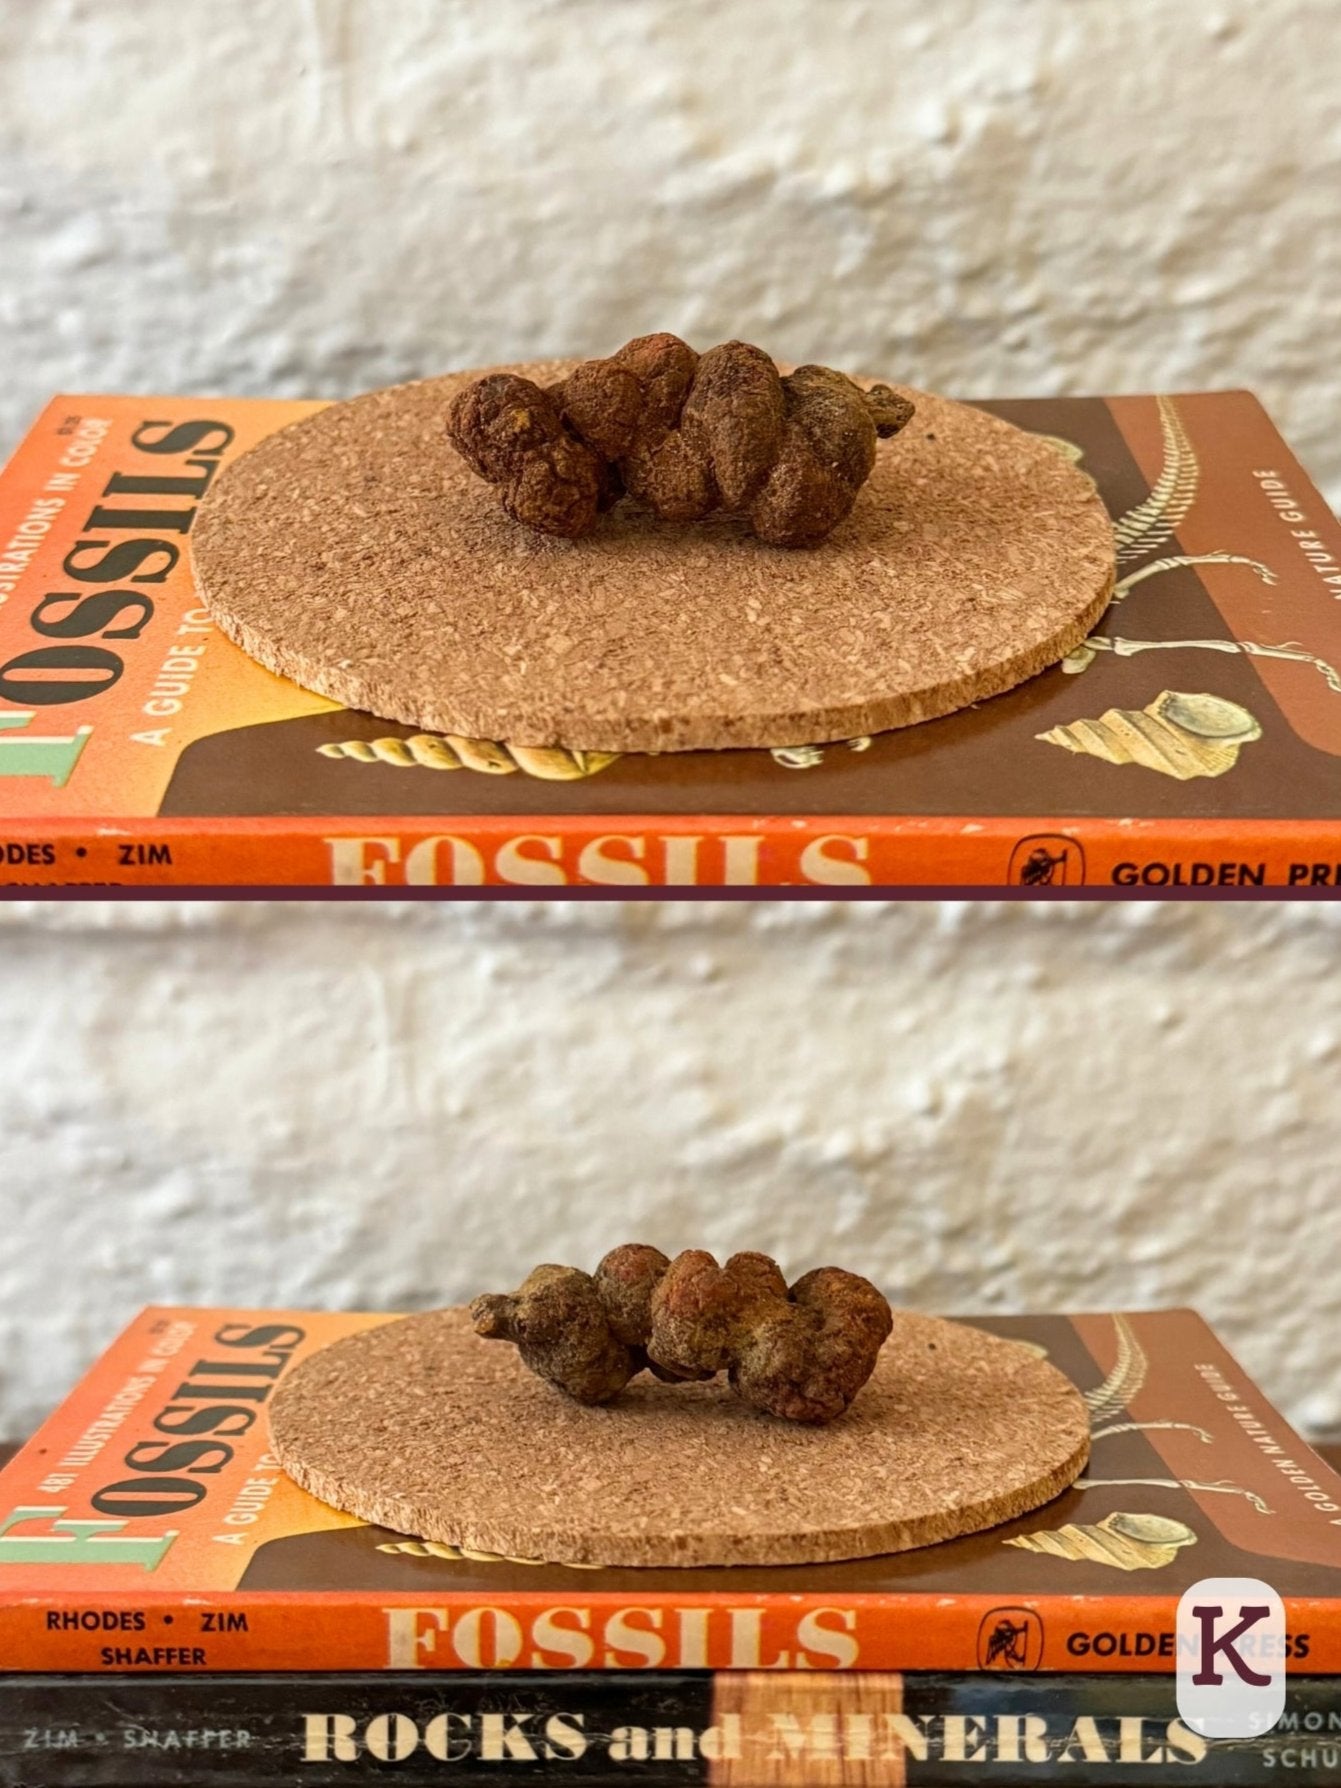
{"x": 1231, "y": 1657}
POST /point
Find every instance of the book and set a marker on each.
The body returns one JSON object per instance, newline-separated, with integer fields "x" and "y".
{"x": 146, "y": 1527}
{"x": 739, "y": 1729}
{"x": 1192, "y": 742}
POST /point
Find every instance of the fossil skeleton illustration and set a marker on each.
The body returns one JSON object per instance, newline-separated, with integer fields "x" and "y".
{"x": 1219, "y": 1487}
{"x": 1111, "y": 1398}
{"x": 1123, "y": 1382}
{"x": 1084, "y": 655}
{"x": 1153, "y": 524}
{"x": 1128, "y": 1540}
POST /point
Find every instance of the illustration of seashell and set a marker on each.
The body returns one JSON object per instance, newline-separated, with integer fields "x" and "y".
{"x": 808, "y": 757}
{"x": 452, "y": 751}
{"x": 798, "y": 757}
{"x": 1126, "y": 1541}
{"x": 459, "y": 1554}
{"x": 1179, "y": 735}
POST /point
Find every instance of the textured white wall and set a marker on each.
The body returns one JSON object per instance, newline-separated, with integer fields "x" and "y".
{"x": 990, "y": 1108}
{"x": 988, "y": 196}
{"x": 984, "y": 1107}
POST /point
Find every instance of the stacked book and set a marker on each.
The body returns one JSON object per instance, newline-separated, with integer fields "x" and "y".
{"x": 1191, "y": 741}
{"x": 173, "y": 1610}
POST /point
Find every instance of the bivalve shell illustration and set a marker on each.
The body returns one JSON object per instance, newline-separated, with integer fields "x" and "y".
{"x": 1125, "y": 1540}
{"x": 1178, "y": 734}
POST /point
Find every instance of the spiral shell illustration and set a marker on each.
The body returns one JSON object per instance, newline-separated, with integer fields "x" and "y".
{"x": 462, "y": 1554}
{"x": 1177, "y": 734}
{"x": 452, "y": 751}
{"x": 1126, "y": 1541}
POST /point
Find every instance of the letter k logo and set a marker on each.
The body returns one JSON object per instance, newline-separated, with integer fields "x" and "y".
{"x": 1211, "y": 1645}
{"x": 1231, "y": 1657}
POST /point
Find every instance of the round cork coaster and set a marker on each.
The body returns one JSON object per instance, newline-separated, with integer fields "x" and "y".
{"x": 420, "y": 1426}
{"x": 357, "y": 554}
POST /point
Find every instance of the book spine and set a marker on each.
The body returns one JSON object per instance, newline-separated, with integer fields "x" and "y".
{"x": 619, "y": 854}
{"x": 462, "y": 1632}
{"x": 736, "y": 1729}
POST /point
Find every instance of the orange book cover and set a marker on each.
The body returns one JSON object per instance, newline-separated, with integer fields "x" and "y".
{"x": 146, "y": 1527}
{"x": 1193, "y": 741}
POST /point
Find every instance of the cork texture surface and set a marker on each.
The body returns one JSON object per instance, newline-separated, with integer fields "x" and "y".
{"x": 355, "y": 553}
{"x": 420, "y": 1426}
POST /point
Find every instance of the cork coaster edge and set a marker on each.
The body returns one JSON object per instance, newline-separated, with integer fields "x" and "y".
{"x": 767, "y": 732}
{"x": 382, "y": 688}
{"x": 819, "y": 1546}
{"x": 475, "y": 1529}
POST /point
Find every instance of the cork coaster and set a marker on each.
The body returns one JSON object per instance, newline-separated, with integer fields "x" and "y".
{"x": 356, "y": 553}
{"x": 420, "y": 1426}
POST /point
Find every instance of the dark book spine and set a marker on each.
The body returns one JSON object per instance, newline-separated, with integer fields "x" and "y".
{"x": 736, "y": 1729}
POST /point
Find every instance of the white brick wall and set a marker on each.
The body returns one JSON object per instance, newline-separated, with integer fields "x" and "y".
{"x": 988, "y": 196}
{"x": 991, "y": 1108}
{"x": 985, "y": 1107}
